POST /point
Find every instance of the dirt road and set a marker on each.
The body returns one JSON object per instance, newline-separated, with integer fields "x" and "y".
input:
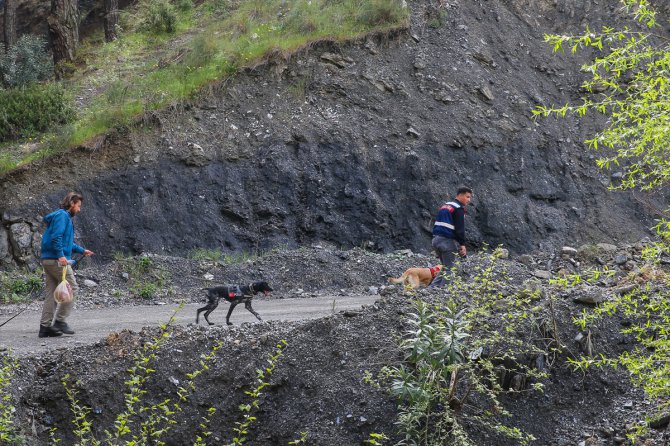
{"x": 20, "y": 334}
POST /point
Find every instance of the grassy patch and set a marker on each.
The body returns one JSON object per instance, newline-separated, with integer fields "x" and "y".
{"x": 16, "y": 288}
{"x": 146, "y": 278}
{"x": 150, "y": 67}
{"x": 201, "y": 254}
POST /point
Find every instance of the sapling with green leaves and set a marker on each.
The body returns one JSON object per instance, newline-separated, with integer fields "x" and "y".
{"x": 647, "y": 308}
{"x": 459, "y": 345}
{"x": 141, "y": 422}
{"x": 262, "y": 381}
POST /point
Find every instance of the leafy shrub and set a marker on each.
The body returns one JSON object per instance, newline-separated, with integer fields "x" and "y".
{"x": 28, "y": 110}
{"x": 467, "y": 348}
{"x": 184, "y": 5}
{"x": 145, "y": 290}
{"x": 145, "y": 277}
{"x": 202, "y": 51}
{"x": 159, "y": 16}
{"x": 17, "y": 289}
{"x": 26, "y": 62}
{"x": 646, "y": 308}
{"x": 381, "y": 12}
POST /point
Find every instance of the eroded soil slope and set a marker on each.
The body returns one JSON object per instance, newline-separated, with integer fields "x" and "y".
{"x": 356, "y": 144}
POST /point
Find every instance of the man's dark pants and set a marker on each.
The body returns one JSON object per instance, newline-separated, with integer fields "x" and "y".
{"x": 446, "y": 249}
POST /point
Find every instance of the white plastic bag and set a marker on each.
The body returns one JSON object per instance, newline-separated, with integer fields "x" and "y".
{"x": 63, "y": 293}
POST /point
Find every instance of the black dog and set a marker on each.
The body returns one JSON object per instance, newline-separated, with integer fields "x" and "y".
{"x": 234, "y": 294}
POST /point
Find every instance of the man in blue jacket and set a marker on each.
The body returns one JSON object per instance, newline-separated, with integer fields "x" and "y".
{"x": 56, "y": 254}
{"x": 449, "y": 232}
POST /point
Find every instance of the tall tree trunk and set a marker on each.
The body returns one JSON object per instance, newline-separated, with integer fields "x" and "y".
{"x": 64, "y": 31}
{"x": 111, "y": 19}
{"x": 10, "y": 23}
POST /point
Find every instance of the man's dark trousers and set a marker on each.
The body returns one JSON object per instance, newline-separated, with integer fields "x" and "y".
{"x": 446, "y": 249}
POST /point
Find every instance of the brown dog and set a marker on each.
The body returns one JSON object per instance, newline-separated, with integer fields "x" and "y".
{"x": 415, "y": 277}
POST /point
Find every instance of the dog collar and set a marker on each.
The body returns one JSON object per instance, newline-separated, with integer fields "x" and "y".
{"x": 434, "y": 270}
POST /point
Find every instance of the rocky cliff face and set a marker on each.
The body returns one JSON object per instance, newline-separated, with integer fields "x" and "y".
{"x": 356, "y": 144}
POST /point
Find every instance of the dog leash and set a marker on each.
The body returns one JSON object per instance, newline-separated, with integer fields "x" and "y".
{"x": 74, "y": 262}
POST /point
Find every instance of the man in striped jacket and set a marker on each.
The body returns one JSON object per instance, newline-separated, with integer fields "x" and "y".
{"x": 449, "y": 231}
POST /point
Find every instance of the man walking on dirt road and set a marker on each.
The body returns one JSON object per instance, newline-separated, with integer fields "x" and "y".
{"x": 449, "y": 232}
{"x": 56, "y": 254}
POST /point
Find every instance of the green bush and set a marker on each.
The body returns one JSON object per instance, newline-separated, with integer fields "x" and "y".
{"x": 159, "y": 16}
{"x": 26, "y": 62}
{"x": 27, "y": 111}
{"x": 19, "y": 289}
{"x": 380, "y": 12}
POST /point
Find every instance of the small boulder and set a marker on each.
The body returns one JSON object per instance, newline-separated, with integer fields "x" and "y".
{"x": 542, "y": 274}
{"x": 589, "y": 296}
{"x": 526, "y": 259}
{"x": 568, "y": 251}
{"x": 88, "y": 283}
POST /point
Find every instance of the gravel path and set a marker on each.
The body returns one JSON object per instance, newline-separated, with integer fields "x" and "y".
{"x": 92, "y": 325}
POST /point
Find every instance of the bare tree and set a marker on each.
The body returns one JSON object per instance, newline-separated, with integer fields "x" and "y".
{"x": 111, "y": 19}
{"x": 64, "y": 30}
{"x": 10, "y": 23}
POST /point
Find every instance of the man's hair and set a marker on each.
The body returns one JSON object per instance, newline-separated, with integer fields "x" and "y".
{"x": 463, "y": 190}
{"x": 70, "y": 199}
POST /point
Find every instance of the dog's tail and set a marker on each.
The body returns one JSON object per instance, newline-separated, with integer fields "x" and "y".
{"x": 400, "y": 279}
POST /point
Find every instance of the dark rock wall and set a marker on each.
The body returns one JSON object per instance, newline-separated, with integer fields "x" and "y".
{"x": 359, "y": 144}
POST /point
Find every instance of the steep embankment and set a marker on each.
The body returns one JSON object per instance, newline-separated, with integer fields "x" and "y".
{"x": 356, "y": 144}
{"x": 328, "y": 383}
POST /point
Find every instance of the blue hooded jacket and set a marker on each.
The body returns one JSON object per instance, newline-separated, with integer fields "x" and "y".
{"x": 58, "y": 239}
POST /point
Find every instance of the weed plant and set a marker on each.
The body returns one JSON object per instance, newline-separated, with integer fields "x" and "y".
{"x": 146, "y": 278}
{"x": 262, "y": 381}
{"x": 203, "y": 254}
{"x": 9, "y": 435}
{"x": 19, "y": 288}
{"x": 464, "y": 351}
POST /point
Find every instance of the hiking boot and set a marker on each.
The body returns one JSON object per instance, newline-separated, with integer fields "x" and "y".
{"x": 64, "y": 327}
{"x": 49, "y": 332}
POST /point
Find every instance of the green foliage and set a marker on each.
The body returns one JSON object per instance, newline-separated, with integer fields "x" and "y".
{"x": 26, "y": 63}
{"x": 29, "y": 110}
{"x": 629, "y": 84}
{"x": 301, "y": 440}
{"x": 201, "y": 438}
{"x": 168, "y": 51}
{"x": 19, "y": 288}
{"x": 158, "y": 16}
{"x": 262, "y": 381}
{"x": 647, "y": 307}
{"x": 145, "y": 290}
{"x": 375, "y": 13}
{"x": 141, "y": 423}
{"x": 211, "y": 255}
{"x": 375, "y": 439}
{"x": 146, "y": 278}
{"x": 444, "y": 363}
{"x": 8, "y": 433}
